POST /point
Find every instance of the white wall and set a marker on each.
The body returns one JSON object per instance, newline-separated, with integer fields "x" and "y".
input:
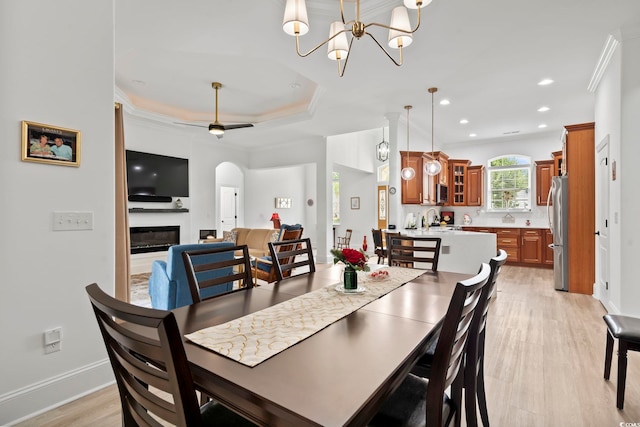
{"x": 53, "y": 76}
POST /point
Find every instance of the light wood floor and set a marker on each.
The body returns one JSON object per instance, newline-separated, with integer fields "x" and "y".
{"x": 544, "y": 363}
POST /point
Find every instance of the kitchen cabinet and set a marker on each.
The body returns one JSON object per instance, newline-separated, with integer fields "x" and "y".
{"x": 531, "y": 246}
{"x": 558, "y": 163}
{"x": 509, "y": 240}
{"x": 443, "y": 176}
{"x": 475, "y": 185}
{"x": 547, "y": 252}
{"x": 544, "y": 172}
{"x": 458, "y": 177}
{"x": 412, "y": 189}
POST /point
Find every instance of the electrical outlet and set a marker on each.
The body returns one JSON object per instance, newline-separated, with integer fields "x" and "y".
{"x": 53, "y": 347}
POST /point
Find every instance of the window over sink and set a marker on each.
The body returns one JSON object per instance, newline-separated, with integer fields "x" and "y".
{"x": 509, "y": 183}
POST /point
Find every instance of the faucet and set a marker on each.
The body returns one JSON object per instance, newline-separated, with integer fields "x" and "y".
{"x": 427, "y": 216}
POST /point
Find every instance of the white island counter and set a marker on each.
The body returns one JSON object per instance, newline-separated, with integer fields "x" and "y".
{"x": 460, "y": 251}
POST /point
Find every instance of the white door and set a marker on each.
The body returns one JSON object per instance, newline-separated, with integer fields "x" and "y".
{"x": 228, "y": 208}
{"x": 602, "y": 220}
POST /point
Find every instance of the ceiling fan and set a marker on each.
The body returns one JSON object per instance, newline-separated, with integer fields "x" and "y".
{"x": 216, "y": 128}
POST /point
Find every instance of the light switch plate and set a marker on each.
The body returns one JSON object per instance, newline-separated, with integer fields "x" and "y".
{"x": 66, "y": 221}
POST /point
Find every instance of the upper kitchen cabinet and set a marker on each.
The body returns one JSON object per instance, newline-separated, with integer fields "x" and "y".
{"x": 544, "y": 172}
{"x": 443, "y": 176}
{"x": 475, "y": 185}
{"x": 458, "y": 180}
{"x": 558, "y": 162}
{"x": 412, "y": 189}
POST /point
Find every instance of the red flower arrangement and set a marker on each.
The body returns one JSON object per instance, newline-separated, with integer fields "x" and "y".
{"x": 351, "y": 258}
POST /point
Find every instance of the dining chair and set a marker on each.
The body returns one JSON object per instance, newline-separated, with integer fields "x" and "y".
{"x": 626, "y": 330}
{"x": 378, "y": 247}
{"x": 284, "y": 254}
{"x": 407, "y": 250}
{"x": 264, "y": 268}
{"x": 207, "y": 269}
{"x": 474, "y": 390}
{"x": 420, "y": 401}
{"x": 147, "y": 355}
{"x": 344, "y": 241}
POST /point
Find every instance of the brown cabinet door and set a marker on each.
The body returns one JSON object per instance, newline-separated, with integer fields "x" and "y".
{"x": 544, "y": 172}
{"x": 475, "y": 185}
{"x": 547, "y": 252}
{"x": 531, "y": 247}
{"x": 412, "y": 189}
{"x": 458, "y": 182}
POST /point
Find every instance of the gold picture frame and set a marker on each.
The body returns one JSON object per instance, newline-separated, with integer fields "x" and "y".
{"x": 50, "y": 144}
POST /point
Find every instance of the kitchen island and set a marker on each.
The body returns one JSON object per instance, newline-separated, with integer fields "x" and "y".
{"x": 460, "y": 251}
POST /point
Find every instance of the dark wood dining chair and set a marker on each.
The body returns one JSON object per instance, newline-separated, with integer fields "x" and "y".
{"x": 207, "y": 269}
{"x": 147, "y": 353}
{"x": 264, "y": 268}
{"x": 627, "y": 331}
{"x": 379, "y": 248}
{"x": 405, "y": 251}
{"x": 344, "y": 241}
{"x": 474, "y": 390}
{"x": 285, "y": 257}
{"x": 418, "y": 398}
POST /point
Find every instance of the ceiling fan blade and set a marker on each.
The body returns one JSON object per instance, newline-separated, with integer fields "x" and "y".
{"x": 190, "y": 124}
{"x": 238, "y": 126}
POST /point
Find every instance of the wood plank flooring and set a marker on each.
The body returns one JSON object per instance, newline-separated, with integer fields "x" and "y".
{"x": 544, "y": 363}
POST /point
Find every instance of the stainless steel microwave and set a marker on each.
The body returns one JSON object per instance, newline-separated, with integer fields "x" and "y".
{"x": 442, "y": 193}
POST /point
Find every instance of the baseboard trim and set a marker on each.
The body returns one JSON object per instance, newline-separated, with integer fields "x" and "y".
{"x": 35, "y": 399}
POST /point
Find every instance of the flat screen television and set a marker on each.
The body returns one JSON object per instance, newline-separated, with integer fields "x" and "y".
{"x": 156, "y": 178}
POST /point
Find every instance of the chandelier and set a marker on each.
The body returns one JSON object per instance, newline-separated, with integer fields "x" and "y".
{"x": 382, "y": 149}
{"x": 296, "y": 23}
{"x": 433, "y": 166}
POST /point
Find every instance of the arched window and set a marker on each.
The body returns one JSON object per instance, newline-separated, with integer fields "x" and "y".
{"x": 509, "y": 183}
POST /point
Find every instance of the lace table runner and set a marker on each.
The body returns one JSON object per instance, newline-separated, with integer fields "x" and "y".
{"x": 256, "y": 337}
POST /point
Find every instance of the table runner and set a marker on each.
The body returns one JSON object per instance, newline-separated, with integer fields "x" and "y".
{"x": 256, "y": 337}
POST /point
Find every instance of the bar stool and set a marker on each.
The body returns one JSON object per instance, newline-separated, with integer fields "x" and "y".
{"x": 627, "y": 330}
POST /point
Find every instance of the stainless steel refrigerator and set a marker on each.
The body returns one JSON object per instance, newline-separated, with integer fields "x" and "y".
{"x": 557, "y": 211}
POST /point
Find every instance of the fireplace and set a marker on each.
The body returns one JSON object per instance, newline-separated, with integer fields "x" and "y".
{"x": 153, "y": 239}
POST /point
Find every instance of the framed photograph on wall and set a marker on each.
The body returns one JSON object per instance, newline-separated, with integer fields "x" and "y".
{"x": 355, "y": 203}
{"x": 50, "y": 144}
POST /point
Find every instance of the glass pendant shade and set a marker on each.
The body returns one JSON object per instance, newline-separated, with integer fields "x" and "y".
{"x": 400, "y": 19}
{"x": 295, "y": 18}
{"x": 338, "y": 46}
{"x": 432, "y": 167}
{"x": 408, "y": 173}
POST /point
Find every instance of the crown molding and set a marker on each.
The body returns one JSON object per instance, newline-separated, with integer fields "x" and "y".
{"x": 608, "y": 50}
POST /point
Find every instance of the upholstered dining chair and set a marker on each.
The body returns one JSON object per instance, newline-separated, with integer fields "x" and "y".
{"x": 344, "y": 241}
{"x": 263, "y": 268}
{"x": 285, "y": 257}
{"x": 420, "y": 401}
{"x": 146, "y": 353}
{"x": 407, "y": 250}
{"x": 474, "y": 391}
{"x": 205, "y": 272}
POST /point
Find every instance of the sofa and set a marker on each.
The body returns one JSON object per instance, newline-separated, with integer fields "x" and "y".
{"x": 168, "y": 285}
{"x": 256, "y": 239}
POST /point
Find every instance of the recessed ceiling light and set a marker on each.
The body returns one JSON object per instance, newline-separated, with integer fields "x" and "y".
{"x": 464, "y": 121}
{"x": 543, "y": 109}
{"x": 473, "y": 135}
{"x": 545, "y": 82}
{"x": 445, "y": 102}
{"x": 542, "y": 126}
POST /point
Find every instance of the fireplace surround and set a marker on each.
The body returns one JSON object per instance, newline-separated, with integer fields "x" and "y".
{"x": 153, "y": 239}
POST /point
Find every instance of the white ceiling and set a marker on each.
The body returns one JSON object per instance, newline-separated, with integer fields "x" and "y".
{"x": 486, "y": 57}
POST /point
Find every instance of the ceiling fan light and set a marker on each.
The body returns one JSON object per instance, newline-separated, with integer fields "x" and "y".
{"x": 216, "y": 129}
{"x": 338, "y": 46}
{"x": 400, "y": 20}
{"x": 432, "y": 167}
{"x": 408, "y": 173}
{"x": 295, "y": 18}
{"x": 413, "y": 4}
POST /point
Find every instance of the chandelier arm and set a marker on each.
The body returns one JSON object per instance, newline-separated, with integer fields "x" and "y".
{"x": 377, "y": 24}
{"x": 344, "y": 67}
{"x": 384, "y": 50}
{"x": 319, "y": 45}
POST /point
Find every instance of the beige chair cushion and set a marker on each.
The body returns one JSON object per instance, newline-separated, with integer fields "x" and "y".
{"x": 256, "y": 239}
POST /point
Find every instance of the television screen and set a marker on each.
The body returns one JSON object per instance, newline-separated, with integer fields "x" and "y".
{"x": 153, "y": 175}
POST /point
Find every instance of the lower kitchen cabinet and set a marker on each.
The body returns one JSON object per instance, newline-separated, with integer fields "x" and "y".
{"x": 531, "y": 246}
{"x": 524, "y": 246}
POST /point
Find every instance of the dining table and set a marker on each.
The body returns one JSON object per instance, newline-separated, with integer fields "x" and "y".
{"x": 339, "y": 375}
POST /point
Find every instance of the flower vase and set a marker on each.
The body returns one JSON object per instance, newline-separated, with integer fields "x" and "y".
{"x": 364, "y": 244}
{"x": 350, "y": 278}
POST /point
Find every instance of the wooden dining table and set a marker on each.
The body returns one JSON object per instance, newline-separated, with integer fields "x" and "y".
{"x": 338, "y": 376}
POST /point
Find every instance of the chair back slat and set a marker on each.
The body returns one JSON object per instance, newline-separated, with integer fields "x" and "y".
{"x": 213, "y": 267}
{"x": 145, "y": 348}
{"x": 284, "y": 254}
{"x": 405, "y": 251}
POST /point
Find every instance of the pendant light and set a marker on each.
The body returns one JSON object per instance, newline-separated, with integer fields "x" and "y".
{"x": 408, "y": 173}
{"x": 382, "y": 149}
{"x": 433, "y": 166}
